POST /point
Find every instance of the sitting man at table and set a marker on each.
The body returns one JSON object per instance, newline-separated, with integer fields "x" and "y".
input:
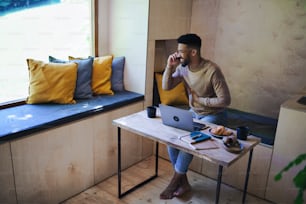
{"x": 208, "y": 98}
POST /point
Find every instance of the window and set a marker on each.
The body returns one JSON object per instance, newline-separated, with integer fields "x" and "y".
{"x": 36, "y": 29}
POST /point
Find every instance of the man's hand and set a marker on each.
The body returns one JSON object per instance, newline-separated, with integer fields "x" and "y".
{"x": 173, "y": 60}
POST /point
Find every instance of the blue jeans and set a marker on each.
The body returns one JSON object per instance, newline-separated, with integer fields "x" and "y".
{"x": 181, "y": 160}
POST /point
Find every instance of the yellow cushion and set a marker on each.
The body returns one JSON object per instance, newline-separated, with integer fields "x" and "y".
{"x": 51, "y": 82}
{"x": 101, "y": 74}
{"x": 175, "y": 96}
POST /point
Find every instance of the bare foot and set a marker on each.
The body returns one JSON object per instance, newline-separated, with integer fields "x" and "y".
{"x": 182, "y": 190}
{"x": 183, "y": 187}
{"x": 168, "y": 193}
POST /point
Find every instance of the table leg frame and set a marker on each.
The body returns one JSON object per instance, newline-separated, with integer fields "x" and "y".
{"x": 245, "y": 182}
{"x": 247, "y": 176}
{"x": 120, "y": 193}
{"x": 219, "y": 183}
{"x": 220, "y": 170}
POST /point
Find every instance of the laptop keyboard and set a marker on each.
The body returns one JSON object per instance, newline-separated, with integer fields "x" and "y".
{"x": 198, "y": 126}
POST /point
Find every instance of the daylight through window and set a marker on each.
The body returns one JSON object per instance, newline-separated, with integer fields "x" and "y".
{"x": 39, "y": 29}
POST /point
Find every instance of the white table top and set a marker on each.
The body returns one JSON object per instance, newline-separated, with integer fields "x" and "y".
{"x": 154, "y": 129}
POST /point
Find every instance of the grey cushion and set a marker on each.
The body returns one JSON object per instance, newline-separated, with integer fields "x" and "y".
{"x": 117, "y": 74}
{"x": 83, "y": 85}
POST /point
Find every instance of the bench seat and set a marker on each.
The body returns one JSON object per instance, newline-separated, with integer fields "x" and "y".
{"x": 260, "y": 126}
{"x": 26, "y": 119}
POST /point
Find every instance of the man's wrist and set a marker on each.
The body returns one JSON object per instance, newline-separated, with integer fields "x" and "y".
{"x": 168, "y": 67}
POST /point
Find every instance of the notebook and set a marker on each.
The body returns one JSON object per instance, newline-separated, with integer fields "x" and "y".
{"x": 179, "y": 118}
{"x": 204, "y": 145}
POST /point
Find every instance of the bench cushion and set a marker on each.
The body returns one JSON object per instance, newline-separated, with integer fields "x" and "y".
{"x": 29, "y": 118}
{"x": 260, "y": 126}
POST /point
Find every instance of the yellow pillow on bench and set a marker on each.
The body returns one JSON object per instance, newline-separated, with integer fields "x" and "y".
{"x": 51, "y": 82}
{"x": 175, "y": 96}
{"x": 101, "y": 74}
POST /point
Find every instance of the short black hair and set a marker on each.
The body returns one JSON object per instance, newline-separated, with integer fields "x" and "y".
{"x": 191, "y": 40}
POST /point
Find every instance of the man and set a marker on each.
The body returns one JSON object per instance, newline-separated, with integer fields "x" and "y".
{"x": 208, "y": 97}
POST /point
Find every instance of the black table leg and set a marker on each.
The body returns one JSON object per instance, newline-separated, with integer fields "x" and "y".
{"x": 156, "y": 158}
{"x": 119, "y": 162}
{"x": 120, "y": 194}
{"x": 247, "y": 176}
{"x": 219, "y": 183}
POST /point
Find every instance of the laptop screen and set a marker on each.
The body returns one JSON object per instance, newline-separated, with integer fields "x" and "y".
{"x": 178, "y": 118}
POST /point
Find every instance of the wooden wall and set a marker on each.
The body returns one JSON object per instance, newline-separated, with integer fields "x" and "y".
{"x": 53, "y": 165}
{"x": 260, "y": 46}
{"x": 167, "y": 20}
{"x": 7, "y": 193}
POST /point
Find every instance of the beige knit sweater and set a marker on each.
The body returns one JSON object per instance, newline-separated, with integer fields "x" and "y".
{"x": 208, "y": 83}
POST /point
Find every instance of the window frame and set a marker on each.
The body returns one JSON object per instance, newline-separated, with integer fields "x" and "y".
{"x": 94, "y": 19}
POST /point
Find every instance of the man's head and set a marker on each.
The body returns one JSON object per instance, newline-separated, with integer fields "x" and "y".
{"x": 191, "y": 40}
{"x": 189, "y": 46}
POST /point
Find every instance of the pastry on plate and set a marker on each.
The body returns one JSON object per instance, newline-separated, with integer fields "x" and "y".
{"x": 220, "y": 130}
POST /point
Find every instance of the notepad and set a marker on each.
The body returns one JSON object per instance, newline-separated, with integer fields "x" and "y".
{"x": 208, "y": 143}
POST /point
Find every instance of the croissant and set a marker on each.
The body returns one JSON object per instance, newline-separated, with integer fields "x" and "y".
{"x": 227, "y": 132}
{"x": 217, "y": 130}
{"x": 220, "y": 130}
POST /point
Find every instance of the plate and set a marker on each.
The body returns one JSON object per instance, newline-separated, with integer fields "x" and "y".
{"x": 236, "y": 149}
{"x": 218, "y": 136}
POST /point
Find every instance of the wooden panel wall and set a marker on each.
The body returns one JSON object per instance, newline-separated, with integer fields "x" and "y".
{"x": 53, "y": 165}
{"x": 167, "y": 20}
{"x": 7, "y": 192}
{"x": 259, "y": 45}
{"x": 105, "y": 144}
{"x": 260, "y": 166}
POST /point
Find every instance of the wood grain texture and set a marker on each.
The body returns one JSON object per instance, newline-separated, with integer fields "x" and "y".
{"x": 169, "y": 19}
{"x": 7, "y": 192}
{"x": 206, "y": 164}
{"x": 203, "y": 188}
{"x": 53, "y": 165}
{"x": 235, "y": 174}
{"x": 105, "y": 143}
{"x": 154, "y": 129}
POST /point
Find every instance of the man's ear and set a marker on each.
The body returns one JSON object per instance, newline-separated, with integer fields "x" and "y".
{"x": 194, "y": 52}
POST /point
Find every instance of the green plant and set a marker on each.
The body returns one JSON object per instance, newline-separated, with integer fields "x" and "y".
{"x": 300, "y": 178}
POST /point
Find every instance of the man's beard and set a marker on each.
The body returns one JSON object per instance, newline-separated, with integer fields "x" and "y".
{"x": 185, "y": 62}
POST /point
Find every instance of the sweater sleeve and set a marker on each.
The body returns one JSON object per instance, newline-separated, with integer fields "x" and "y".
{"x": 222, "y": 96}
{"x": 169, "y": 81}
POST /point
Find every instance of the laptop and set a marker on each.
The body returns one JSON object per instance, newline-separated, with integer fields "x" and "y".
{"x": 179, "y": 118}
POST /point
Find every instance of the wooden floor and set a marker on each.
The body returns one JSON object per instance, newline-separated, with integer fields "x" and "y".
{"x": 203, "y": 188}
